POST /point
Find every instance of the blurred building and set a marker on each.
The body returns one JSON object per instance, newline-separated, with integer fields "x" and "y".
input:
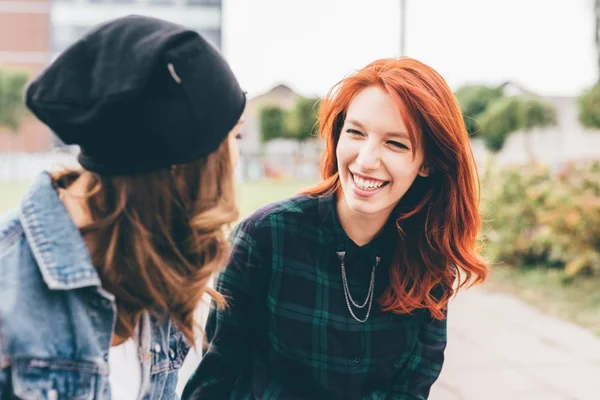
{"x": 284, "y": 158}
{"x": 25, "y": 45}
{"x": 24, "y": 34}
{"x": 34, "y": 32}
{"x": 280, "y": 95}
{"x": 567, "y": 141}
{"x": 251, "y": 147}
{"x": 70, "y": 19}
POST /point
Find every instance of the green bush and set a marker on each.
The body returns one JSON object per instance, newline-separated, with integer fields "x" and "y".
{"x": 535, "y": 217}
{"x": 572, "y": 213}
{"x": 499, "y": 121}
{"x": 272, "y": 123}
{"x": 12, "y": 86}
{"x": 510, "y": 199}
{"x": 474, "y": 100}
{"x": 589, "y": 107}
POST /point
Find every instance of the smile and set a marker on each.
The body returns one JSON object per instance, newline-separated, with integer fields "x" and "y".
{"x": 367, "y": 184}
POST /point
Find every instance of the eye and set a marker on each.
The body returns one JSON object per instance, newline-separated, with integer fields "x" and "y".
{"x": 239, "y": 136}
{"x": 354, "y": 132}
{"x": 398, "y": 145}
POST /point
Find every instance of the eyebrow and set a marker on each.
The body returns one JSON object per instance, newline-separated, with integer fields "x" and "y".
{"x": 395, "y": 134}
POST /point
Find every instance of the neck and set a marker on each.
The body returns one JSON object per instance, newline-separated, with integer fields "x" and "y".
{"x": 361, "y": 228}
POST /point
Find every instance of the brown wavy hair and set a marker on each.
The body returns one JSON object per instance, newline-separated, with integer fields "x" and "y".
{"x": 157, "y": 238}
{"x": 438, "y": 218}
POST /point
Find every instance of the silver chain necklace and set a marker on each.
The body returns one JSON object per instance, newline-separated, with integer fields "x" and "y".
{"x": 348, "y": 296}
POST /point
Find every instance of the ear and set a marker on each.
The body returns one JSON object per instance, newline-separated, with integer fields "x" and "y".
{"x": 424, "y": 171}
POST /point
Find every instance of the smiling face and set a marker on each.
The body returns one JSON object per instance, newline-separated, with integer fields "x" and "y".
{"x": 375, "y": 155}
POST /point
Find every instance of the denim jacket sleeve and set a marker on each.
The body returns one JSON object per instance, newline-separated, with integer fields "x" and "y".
{"x": 8, "y": 235}
{"x": 5, "y": 389}
{"x": 178, "y": 349}
{"x": 3, "y": 382}
{"x": 170, "y": 386}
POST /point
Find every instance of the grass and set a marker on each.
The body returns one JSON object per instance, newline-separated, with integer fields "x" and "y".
{"x": 10, "y": 194}
{"x": 578, "y": 301}
{"x": 252, "y": 196}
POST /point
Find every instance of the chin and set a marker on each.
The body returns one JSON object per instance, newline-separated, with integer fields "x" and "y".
{"x": 362, "y": 206}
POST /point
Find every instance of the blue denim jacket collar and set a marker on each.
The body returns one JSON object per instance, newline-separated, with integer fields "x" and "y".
{"x": 44, "y": 259}
{"x": 57, "y": 245}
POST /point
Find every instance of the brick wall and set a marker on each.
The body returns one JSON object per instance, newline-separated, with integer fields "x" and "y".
{"x": 25, "y": 45}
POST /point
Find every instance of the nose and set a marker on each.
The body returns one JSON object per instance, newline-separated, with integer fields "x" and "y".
{"x": 368, "y": 156}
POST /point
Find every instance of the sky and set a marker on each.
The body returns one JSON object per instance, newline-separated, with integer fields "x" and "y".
{"x": 546, "y": 46}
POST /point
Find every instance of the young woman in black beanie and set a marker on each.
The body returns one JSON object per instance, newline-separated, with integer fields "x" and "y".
{"x": 101, "y": 269}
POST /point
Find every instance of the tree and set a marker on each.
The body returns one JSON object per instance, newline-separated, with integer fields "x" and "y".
{"x": 589, "y": 107}
{"x": 474, "y": 101}
{"x": 512, "y": 114}
{"x": 597, "y": 33}
{"x": 272, "y": 123}
{"x": 12, "y": 86}
{"x": 534, "y": 113}
{"x": 589, "y": 101}
{"x": 302, "y": 119}
{"x": 498, "y": 122}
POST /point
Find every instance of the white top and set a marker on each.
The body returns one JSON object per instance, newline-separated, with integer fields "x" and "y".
{"x": 125, "y": 375}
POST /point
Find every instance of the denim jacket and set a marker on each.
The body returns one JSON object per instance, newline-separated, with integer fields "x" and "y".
{"x": 56, "y": 321}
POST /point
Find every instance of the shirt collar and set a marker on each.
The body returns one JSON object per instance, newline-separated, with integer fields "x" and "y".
{"x": 56, "y": 243}
{"x": 381, "y": 245}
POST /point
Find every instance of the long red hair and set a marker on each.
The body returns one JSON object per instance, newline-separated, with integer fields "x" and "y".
{"x": 438, "y": 218}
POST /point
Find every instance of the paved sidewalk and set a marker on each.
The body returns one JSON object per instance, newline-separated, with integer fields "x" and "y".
{"x": 500, "y": 348}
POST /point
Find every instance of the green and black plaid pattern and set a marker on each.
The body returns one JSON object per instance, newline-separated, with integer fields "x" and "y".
{"x": 288, "y": 334}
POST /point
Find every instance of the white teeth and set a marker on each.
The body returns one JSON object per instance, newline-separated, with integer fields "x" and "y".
{"x": 367, "y": 184}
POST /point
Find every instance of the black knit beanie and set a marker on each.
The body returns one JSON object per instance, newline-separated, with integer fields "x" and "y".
{"x": 138, "y": 94}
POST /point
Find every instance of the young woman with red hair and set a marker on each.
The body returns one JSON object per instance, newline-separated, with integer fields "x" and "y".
{"x": 341, "y": 292}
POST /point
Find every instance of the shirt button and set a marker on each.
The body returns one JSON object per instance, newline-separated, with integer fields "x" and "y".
{"x": 172, "y": 354}
{"x": 356, "y": 360}
{"x": 157, "y": 348}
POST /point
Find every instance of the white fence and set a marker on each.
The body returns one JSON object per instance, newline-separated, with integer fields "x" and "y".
{"x": 23, "y": 167}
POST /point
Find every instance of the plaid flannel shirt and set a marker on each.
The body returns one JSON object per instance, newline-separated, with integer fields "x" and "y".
{"x": 287, "y": 332}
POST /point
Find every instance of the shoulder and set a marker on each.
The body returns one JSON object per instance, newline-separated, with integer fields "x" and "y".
{"x": 298, "y": 208}
{"x": 266, "y": 230}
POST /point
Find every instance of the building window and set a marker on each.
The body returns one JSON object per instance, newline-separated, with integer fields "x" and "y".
{"x": 112, "y": 1}
{"x": 204, "y": 2}
{"x": 65, "y": 35}
{"x": 212, "y": 35}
